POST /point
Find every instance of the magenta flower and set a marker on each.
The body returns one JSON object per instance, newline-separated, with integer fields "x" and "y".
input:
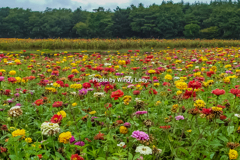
{"x": 127, "y": 124}
{"x": 141, "y": 112}
{"x": 82, "y": 92}
{"x": 72, "y": 139}
{"x": 1, "y": 78}
{"x": 81, "y": 143}
{"x": 139, "y": 135}
{"x": 179, "y": 117}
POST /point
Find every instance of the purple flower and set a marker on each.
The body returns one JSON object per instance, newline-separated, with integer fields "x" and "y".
{"x": 83, "y": 92}
{"x": 141, "y": 112}
{"x": 90, "y": 89}
{"x": 139, "y": 135}
{"x": 72, "y": 139}
{"x": 18, "y": 104}
{"x": 18, "y": 89}
{"x": 81, "y": 143}
{"x": 1, "y": 78}
{"x": 194, "y": 60}
{"x": 179, "y": 117}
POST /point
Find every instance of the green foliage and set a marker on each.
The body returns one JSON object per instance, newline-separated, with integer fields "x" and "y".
{"x": 216, "y": 20}
{"x": 191, "y": 30}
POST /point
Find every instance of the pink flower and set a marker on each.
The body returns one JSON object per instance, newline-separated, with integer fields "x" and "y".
{"x": 179, "y": 117}
{"x": 141, "y": 112}
{"x": 1, "y": 78}
{"x": 139, "y": 135}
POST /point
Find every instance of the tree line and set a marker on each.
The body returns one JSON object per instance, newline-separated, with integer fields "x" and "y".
{"x": 217, "y": 19}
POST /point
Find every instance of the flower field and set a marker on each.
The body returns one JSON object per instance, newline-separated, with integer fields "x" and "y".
{"x": 162, "y": 105}
{"x": 110, "y": 44}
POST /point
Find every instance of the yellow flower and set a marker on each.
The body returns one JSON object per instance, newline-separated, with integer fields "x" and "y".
{"x": 39, "y": 145}
{"x": 64, "y": 137}
{"x": 76, "y": 86}
{"x": 233, "y": 154}
{"x": 12, "y": 72}
{"x": 157, "y": 103}
{"x": 123, "y": 130}
{"x": 56, "y": 84}
{"x": 28, "y": 140}
{"x": 63, "y": 113}
{"x": 181, "y": 85}
{"x": 151, "y": 71}
{"x": 92, "y": 112}
{"x": 74, "y": 104}
{"x": 75, "y": 71}
{"x": 19, "y": 132}
{"x": 156, "y": 84}
{"x": 168, "y": 77}
{"x": 216, "y": 109}
{"x": 199, "y": 103}
{"x": 189, "y": 130}
{"x": 179, "y": 92}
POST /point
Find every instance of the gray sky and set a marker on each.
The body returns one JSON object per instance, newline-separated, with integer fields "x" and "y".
{"x": 40, "y": 5}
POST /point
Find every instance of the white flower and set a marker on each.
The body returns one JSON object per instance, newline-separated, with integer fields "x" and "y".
{"x": 138, "y": 100}
{"x": 128, "y": 77}
{"x": 196, "y": 67}
{"x": 73, "y": 93}
{"x": 176, "y": 77}
{"x": 121, "y": 144}
{"x": 98, "y": 94}
{"x": 144, "y": 150}
{"x": 235, "y": 63}
{"x": 15, "y": 111}
{"x": 49, "y": 128}
{"x": 237, "y": 115}
{"x": 107, "y": 64}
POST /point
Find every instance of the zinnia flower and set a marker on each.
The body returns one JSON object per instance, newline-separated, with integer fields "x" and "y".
{"x": 139, "y": 135}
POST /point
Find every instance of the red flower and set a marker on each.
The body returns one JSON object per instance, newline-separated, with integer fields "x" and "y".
{"x": 235, "y": 91}
{"x": 24, "y": 91}
{"x": 166, "y": 84}
{"x": 136, "y": 92}
{"x": 108, "y": 105}
{"x": 70, "y": 77}
{"x": 117, "y": 94}
{"x": 108, "y": 87}
{"x": 119, "y": 122}
{"x": 189, "y": 94}
{"x": 0, "y": 73}
{"x": 76, "y": 157}
{"x": 218, "y": 92}
{"x": 12, "y": 79}
{"x": 56, "y": 118}
{"x": 39, "y": 102}
{"x": 3, "y": 149}
{"x": 165, "y": 127}
{"x": 40, "y": 156}
{"x": 24, "y": 50}
{"x": 57, "y": 104}
{"x": 222, "y": 117}
{"x": 194, "y": 84}
{"x": 130, "y": 51}
{"x": 61, "y": 83}
{"x": 153, "y": 91}
{"x": 86, "y": 85}
{"x": 7, "y": 92}
{"x": 209, "y": 74}
{"x": 206, "y": 110}
{"x": 99, "y": 136}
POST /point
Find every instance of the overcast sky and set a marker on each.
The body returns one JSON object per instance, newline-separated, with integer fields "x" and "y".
{"x": 41, "y": 5}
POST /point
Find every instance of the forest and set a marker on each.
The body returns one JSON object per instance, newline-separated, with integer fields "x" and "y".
{"x": 217, "y": 19}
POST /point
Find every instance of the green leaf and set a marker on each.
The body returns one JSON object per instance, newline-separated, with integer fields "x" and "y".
{"x": 230, "y": 130}
{"x": 130, "y": 156}
{"x": 224, "y": 139}
{"x": 224, "y": 157}
{"x": 219, "y": 121}
{"x": 183, "y": 150}
{"x": 59, "y": 155}
{"x": 100, "y": 158}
